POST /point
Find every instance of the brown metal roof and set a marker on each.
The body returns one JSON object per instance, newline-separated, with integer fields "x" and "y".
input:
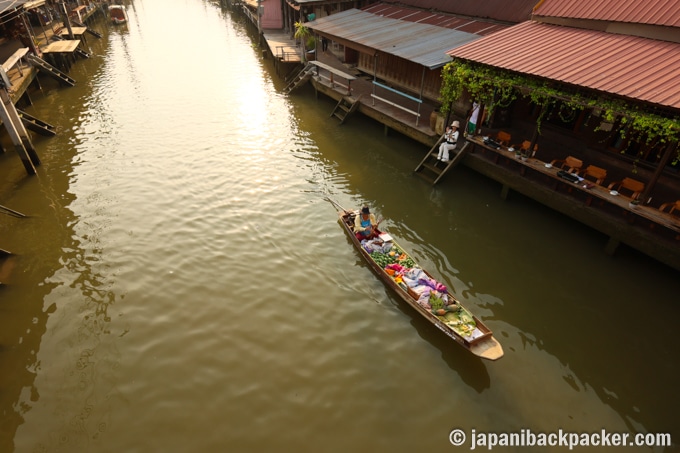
{"x": 478, "y": 27}
{"x": 630, "y": 66}
{"x": 654, "y": 12}
{"x": 510, "y": 11}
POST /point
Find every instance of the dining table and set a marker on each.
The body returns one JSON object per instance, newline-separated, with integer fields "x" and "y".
{"x": 62, "y": 52}
{"x": 573, "y": 181}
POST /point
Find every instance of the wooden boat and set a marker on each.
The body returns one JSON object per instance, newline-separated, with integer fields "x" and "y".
{"x": 455, "y": 321}
{"x": 117, "y": 14}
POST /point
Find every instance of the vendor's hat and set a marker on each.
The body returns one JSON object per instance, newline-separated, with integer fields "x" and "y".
{"x": 455, "y": 124}
{"x": 365, "y": 210}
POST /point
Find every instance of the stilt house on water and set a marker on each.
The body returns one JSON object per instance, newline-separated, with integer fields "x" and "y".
{"x": 589, "y": 90}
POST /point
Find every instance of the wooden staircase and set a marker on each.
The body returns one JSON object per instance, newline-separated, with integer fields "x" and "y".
{"x": 345, "y": 107}
{"x": 89, "y": 30}
{"x": 50, "y": 70}
{"x": 433, "y": 170}
{"x": 300, "y": 78}
{"x": 36, "y": 125}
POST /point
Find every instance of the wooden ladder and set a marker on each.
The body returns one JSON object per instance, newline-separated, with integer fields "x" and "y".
{"x": 429, "y": 169}
{"x": 89, "y": 30}
{"x": 300, "y": 78}
{"x": 345, "y": 107}
{"x": 50, "y": 70}
{"x": 36, "y": 125}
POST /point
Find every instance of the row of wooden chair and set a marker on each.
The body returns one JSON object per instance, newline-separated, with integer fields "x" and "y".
{"x": 673, "y": 205}
{"x": 505, "y": 139}
{"x": 627, "y": 186}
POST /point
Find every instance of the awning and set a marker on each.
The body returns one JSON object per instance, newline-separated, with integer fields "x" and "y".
{"x": 11, "y": 5}
{"x": 630, "y": 66}
{"x": 420, "y": 43}
{"x": 34, "y": 4}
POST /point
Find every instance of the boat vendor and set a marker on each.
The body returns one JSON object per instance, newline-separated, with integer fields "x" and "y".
{"x": 365, "y": 225}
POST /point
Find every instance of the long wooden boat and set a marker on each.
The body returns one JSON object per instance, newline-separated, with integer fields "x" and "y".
{"x": 396, "y": 268}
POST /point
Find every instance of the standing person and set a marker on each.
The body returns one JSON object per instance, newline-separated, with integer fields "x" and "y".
{"x": 365, "y": 225}
{"x": 472, "y": 122}
{"x": 324, "y": 43}
{"x": 449, "y": 143}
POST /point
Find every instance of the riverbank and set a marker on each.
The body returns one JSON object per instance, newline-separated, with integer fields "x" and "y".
{"x": 621, "y": 226}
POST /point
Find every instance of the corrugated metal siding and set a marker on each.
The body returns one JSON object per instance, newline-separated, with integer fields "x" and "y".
{"x": 629, "y": 66}
{"x": 407, "y": 76}
{"x": 655, "y": 12}
{"x": 419, "y": 43}
{"x": 511, "y": 11}
{"x": 478, "y": 27}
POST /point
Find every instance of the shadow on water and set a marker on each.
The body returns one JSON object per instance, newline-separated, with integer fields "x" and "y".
{"x": 469, "y": 367}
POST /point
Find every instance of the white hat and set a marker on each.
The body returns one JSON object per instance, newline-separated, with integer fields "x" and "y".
{"x": 455, "y": 124}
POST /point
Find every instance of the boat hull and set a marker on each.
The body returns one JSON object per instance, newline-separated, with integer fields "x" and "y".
{"x": 484, "y": 345}
{"x": 117, "y": 14}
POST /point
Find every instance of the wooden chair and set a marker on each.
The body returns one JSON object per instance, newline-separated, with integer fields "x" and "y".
{"x": 503, "y": 138}
{"x": 629, "y": 185}
{"x": 524, "y": 148}
{"x": 673, "y": 206}
{"x": 571, "y": 164}
{"x": 595, "y": 174}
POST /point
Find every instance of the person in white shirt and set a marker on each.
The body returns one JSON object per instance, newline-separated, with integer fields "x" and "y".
{"x": 449, "y": 143}
{"x": 474, "y": 116}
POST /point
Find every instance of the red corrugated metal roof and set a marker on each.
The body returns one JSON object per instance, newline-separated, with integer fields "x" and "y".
{"x": 468, "y": 25}
{"x": 654, "y": 12}
{"x": 634, "y": 67}
{"x": 511, "y": 11}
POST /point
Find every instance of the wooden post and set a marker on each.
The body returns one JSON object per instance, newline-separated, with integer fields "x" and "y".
{"x": 534, "y": 136}
{"x": 29, "y": 32}
{"x": 612, "y": 244}
{"x": 67, "y": 21}
{"x": 671, "y": 149}
{"x": 505, "y": 191}
{"x": 15, "y": 128}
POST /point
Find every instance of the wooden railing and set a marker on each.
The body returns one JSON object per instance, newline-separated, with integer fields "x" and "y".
{"x": 394, "y": 104}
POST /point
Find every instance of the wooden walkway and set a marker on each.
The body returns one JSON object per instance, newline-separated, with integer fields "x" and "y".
{"x": 282, "y": 46}
{"x": 391, "y": 110}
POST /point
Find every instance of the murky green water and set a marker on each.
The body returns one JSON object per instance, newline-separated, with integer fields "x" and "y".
{"x": 181, "y": 284}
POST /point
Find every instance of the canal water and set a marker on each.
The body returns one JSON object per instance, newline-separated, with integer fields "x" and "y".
{"x": 181, "y": 283}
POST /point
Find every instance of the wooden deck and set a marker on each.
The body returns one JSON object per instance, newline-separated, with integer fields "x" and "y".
{"x": 282, "y": 46}
{"x": 392, "y": 110}
{"x": 396, "y": 112}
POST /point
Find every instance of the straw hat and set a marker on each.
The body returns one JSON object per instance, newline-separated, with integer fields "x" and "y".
{"x": 455, "y": 124}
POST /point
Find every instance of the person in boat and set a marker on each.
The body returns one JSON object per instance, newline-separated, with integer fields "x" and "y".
{"x": 365, "y": 225}
{"x": 449, "y": 143}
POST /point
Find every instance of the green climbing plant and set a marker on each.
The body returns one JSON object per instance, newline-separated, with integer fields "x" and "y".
{"x": 497, "y": 87}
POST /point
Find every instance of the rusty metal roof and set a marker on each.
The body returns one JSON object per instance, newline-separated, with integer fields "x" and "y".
{"x": 510, "y": 11}
{"x": 421, "y": 43}
{"x": 478, "y": 27}
{"x": 629, "y": 66}
{"x": 654, "y": 12}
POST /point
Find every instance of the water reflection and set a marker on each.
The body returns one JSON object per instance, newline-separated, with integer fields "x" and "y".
{"x": 195, "y": 274}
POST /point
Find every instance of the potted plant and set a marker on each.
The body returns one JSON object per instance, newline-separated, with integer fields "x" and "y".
{"x": 304, "y": 35}
{"x": 310, "y": 45}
